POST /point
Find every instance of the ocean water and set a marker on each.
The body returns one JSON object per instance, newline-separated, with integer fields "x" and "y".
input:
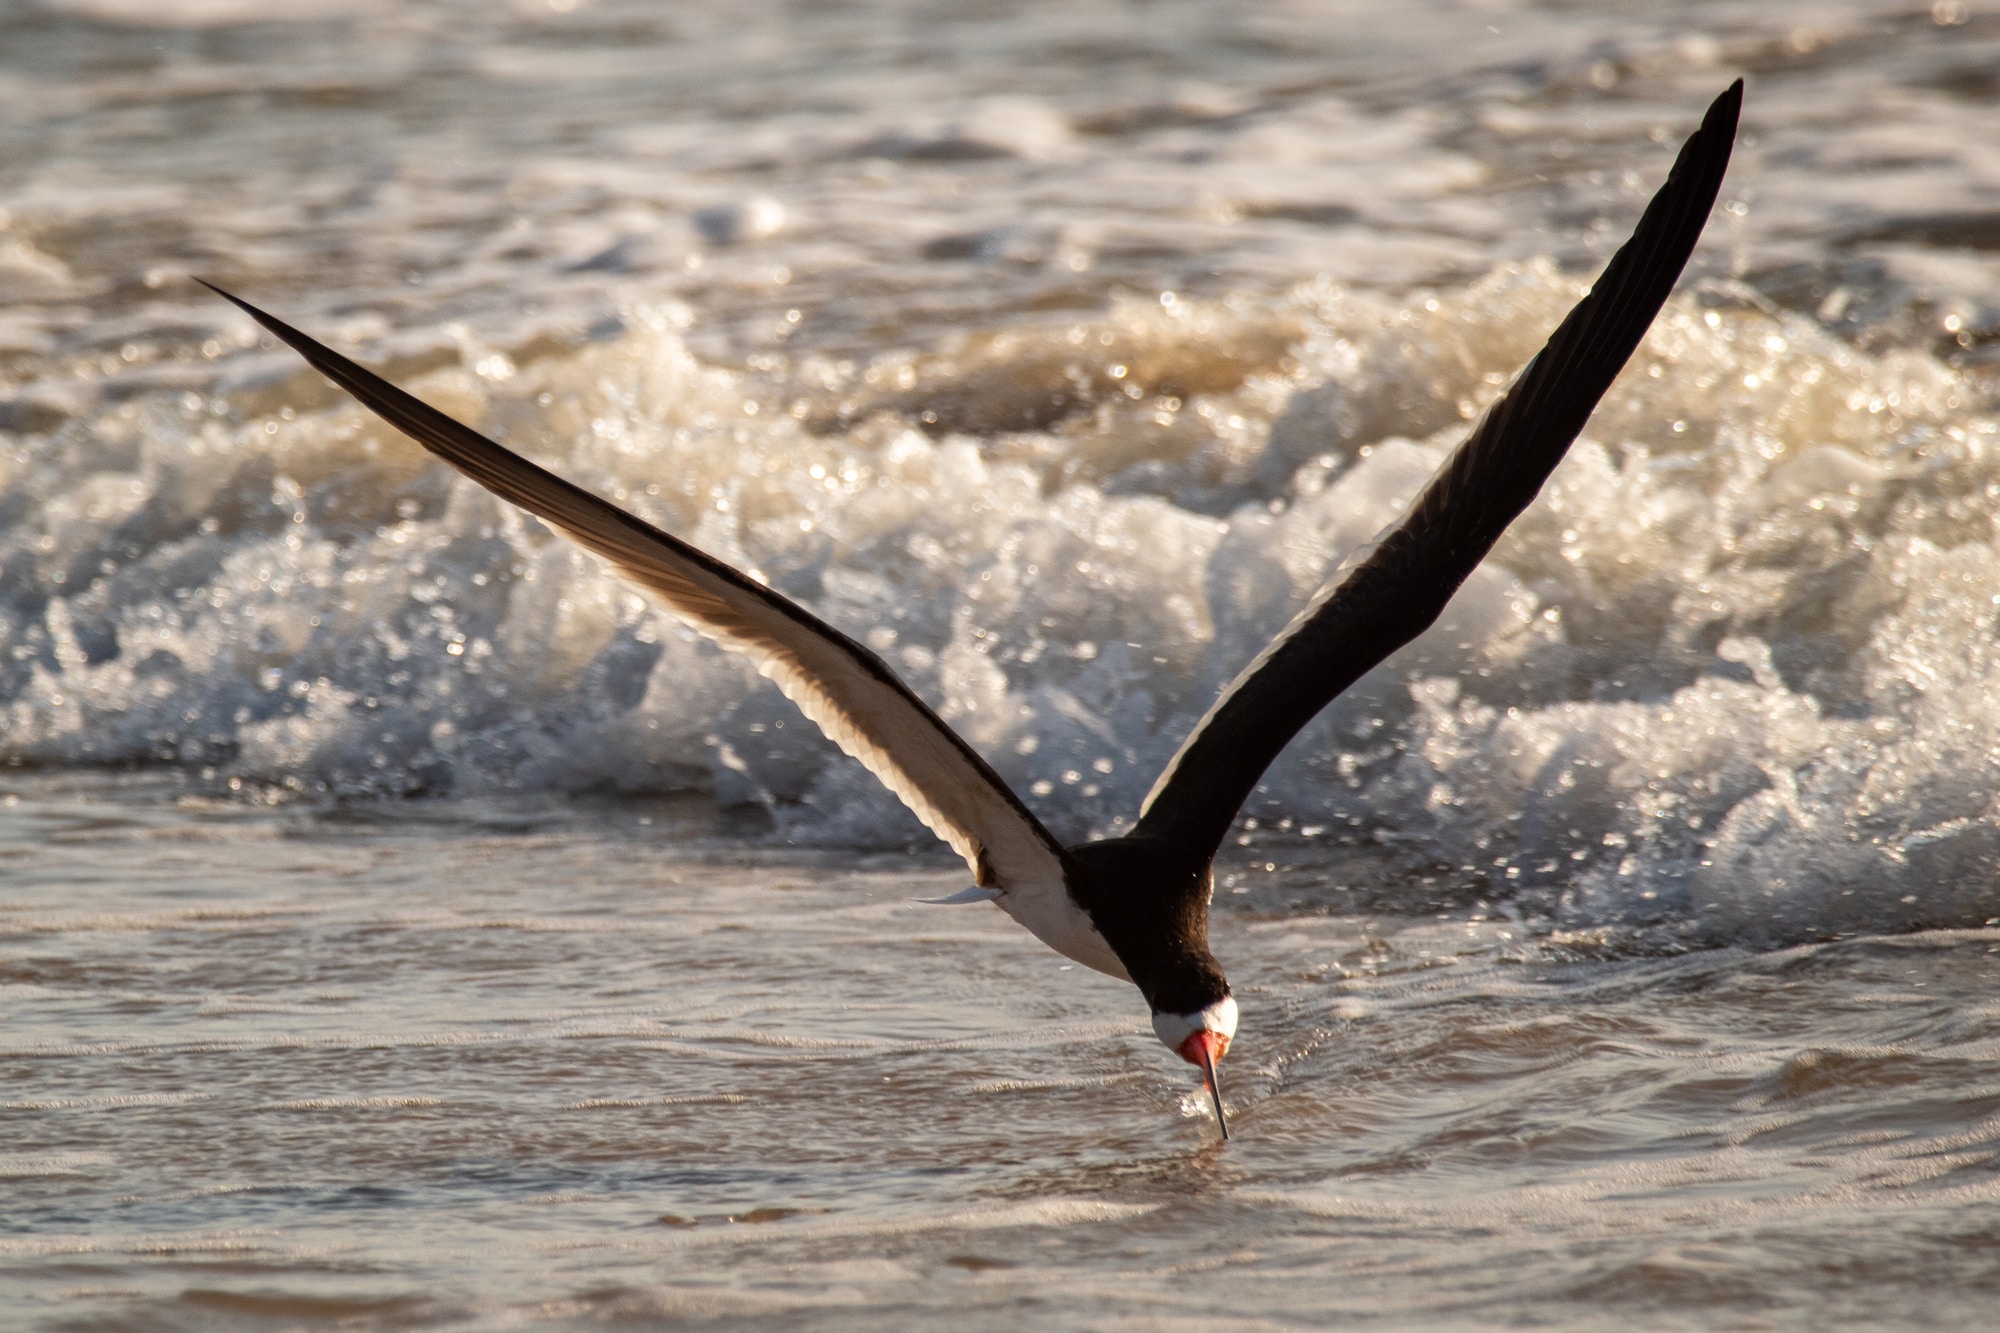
{"x": 404, "y": 924}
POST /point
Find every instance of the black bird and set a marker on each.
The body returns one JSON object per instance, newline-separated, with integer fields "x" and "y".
{"x": 1135, "y": 907}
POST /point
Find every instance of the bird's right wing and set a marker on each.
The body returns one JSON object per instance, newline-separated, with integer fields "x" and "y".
{"x": 1402, "y": 585}
{"x": 847, "y": 690}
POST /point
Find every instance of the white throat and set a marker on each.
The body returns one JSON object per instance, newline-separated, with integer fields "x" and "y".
{"x": 1174, "y": 1029}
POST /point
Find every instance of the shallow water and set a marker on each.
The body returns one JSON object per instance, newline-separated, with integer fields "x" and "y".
{"x": 1618, "y": 950}
{"x": 514, "y": 1064}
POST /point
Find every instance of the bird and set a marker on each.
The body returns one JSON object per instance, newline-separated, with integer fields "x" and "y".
{"x": 1134, "y": 906}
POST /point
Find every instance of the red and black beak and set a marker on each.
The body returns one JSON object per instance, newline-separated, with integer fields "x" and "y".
{"x": 1204, "y": 1048}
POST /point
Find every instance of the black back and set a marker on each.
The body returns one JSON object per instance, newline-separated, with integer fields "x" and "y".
{"x": 1150, "y": 903}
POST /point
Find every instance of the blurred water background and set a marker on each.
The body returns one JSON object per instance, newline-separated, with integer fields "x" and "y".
{"x": 403, "y": 924}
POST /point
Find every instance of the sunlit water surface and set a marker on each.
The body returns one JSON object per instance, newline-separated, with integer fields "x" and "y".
{"x": 503, "y": 1065}
{"x": 403, "y": 923}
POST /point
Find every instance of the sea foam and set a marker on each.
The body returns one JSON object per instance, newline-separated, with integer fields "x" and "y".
{"x": 1727, "y": 670}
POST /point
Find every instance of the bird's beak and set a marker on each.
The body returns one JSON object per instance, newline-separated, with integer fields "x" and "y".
{"x": 1205, "y": 1048}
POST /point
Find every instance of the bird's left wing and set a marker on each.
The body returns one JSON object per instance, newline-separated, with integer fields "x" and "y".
{"x": 847, "y": 690}
{"x": 1397, "y": 589}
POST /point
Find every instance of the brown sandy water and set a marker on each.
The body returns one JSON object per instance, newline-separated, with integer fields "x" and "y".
{"x": 529, "y": 1065}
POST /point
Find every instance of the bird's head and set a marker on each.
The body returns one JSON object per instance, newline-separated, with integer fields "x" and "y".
{"x": 1201, "y": 1038}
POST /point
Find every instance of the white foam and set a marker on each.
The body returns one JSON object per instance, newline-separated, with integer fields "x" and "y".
{"x": 1730, "y": 669}
{"x": 25, "y": 1166}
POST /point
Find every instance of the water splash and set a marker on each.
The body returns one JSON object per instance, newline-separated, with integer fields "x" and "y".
{"x": 1726, "y": 669}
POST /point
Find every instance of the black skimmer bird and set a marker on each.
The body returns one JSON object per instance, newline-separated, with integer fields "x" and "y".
{"x": 1135, "y": 907}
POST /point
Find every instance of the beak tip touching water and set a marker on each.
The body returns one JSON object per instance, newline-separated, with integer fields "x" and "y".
{"x": 1203, "y": 1049}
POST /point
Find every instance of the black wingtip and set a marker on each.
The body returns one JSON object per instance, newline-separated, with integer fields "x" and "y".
{"x": 1715, "y": 140}
{"x": 1717, "y": 135}
{"x": 242, "y": 305}
{"x": 321, "y": 357}
{"x": 1725, "y": 110}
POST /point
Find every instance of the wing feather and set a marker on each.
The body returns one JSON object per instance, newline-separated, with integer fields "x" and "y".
{"x": 1385, "y": 597}
{"x": 849, "y": 692}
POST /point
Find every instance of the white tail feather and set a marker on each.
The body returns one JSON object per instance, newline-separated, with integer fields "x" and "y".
{"x": 975, "y": 894}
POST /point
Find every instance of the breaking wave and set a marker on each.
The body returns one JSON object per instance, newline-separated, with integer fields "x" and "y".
{"x": 1729, "y": 669}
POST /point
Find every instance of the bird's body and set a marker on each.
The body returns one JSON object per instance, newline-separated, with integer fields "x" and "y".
{"x": 1136, "y": 907}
